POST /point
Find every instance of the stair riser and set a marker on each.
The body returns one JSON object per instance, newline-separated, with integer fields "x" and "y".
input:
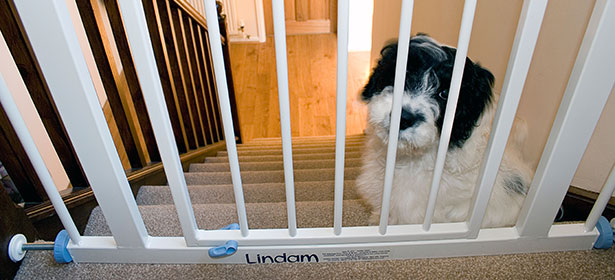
{"x": 258, "y": 177}
{"x": 264, "y": 166}
{"x": 264, "y": 152}
{"x": 253, "y": 193}
{"x": 301, "y": 140}
{"x": 298, "y": 146}
{"x": 296, "y": 157}
{"x": 161, "y": 220}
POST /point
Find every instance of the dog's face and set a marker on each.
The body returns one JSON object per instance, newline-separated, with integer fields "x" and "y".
{"x": 428, "y": 78}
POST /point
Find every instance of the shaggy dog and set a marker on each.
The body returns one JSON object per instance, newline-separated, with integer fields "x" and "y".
{"x": 428, "y": 78}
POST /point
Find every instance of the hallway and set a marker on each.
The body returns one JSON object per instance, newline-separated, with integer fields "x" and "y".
{"x": 312, "y": 82}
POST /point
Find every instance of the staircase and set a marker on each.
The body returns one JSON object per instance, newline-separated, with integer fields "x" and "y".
{"x": 262, "y": 174}
{"x": 211, "y": 193}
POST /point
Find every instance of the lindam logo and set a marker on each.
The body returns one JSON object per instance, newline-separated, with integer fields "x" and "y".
{"x": 283, "y": 258}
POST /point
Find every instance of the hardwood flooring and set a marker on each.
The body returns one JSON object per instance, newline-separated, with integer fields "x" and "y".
{"x": 312, "y": 72}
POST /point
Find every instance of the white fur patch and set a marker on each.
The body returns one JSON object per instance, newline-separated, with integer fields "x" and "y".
{"x": 421, "y": 136}
{"x": 414, "y": 169}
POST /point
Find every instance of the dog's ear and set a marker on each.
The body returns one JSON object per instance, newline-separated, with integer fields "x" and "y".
{"x": 383, "y": 74}
{"x": 474, "y": 97}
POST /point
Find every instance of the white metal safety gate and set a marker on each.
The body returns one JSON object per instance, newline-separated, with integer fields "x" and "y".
{"x": 54, "y": 42}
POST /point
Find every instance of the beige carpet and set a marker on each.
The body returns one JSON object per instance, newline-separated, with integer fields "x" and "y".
{"x": 261, "y": 165}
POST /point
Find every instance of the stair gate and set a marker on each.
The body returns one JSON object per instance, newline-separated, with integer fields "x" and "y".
{"x": 55, "y": 44}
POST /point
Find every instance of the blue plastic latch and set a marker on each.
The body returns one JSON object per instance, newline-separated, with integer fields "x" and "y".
{"x": 605, "y": 239}
{"x": 60, "y": 253}
{"x": 229, "y": 248}
{"x": 231, "y": 227}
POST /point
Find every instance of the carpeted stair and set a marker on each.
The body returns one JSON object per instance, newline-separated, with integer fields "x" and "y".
{"x": 211, "y": 193}
{"x": 262, "y": 175}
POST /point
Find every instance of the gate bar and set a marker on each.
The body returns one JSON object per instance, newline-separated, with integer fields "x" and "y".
{"x": 279, "y": 30}
{"x": 401, "y": 64}
{"x": 340, "y": 122}
{"x": 225, "y": 110}
{"x": 55, "y": 44}
{"x": 586, "y": 94}
{"x": 139, "y": 39}
{"x": 516, "y": 73}
{"x": 451, "y": 105}
{"x": 601, "y": 202}
{"x": 8, "y": 103}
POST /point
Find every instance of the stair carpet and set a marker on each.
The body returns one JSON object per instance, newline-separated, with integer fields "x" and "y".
{"x": 262, "y": 175}
{"x": 213, "y": 203}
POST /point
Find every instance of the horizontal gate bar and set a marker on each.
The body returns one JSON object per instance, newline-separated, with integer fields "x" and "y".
{"x": 489, "y": 242}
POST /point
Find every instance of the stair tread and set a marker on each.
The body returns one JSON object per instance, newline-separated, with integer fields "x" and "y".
{"x": 161, "y": 220}
{"x": 300, "y": 139}
{"x": 249, "y": 146}
{"x": 296, "y": 157}
{"x": 253, "y": 193}
{"x": 270, "y": 176}
{"x": 278, "y": 151}
{"x": 271, "y": 165}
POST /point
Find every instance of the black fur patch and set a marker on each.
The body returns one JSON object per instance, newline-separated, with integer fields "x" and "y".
{"x": 425, "y": 56}
{"x": 515, "y": 184}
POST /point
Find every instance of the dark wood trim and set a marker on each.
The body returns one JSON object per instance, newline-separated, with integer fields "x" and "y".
{"x": 195, "y": 70}
{"x": 579, "y": 202}
{"x": 132, "y": 79}
{"x": 178, "y": 77}
{"x": 186, "y": 78}
{"x": 192, "y": 12}
{"x": 206, "y": 87}
{"x": 95, "y": 38}
{"x": 229, "y": 78}
{"x": 13, "y": 221}
{"x": 333, "y": 16}
{"x": 188, "y": 71}
{"x": 162, "y": 60}
{"x": 18, "y": 165}
{"x": 19, "y": 46}
{"x": 213, "y": 89}
{"x": 156, "y": 22}
{"x": 81, "y": 202}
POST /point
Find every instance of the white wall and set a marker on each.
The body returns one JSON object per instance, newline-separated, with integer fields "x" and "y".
{"x": 492, "y": 36}
{"x": 18, "y": 89}
{"x": 248, "y": 13}
{"x": 28, "y": 110}
{"x": 360, "y": 30}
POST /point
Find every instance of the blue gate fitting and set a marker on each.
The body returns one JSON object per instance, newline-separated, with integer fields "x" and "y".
{"x": 229, "y": 248}
{"x": 605, "y": 239}
{"x": 18, "y": 246}
{"x": 60, "y": 251}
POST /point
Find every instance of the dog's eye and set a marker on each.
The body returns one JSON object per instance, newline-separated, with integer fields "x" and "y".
{"x": 443, "y": 94}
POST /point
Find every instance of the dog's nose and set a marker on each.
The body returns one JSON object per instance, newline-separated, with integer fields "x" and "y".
{"x": 410, "y": 119}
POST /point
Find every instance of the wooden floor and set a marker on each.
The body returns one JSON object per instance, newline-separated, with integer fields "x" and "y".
{"x": 312, "y": 80}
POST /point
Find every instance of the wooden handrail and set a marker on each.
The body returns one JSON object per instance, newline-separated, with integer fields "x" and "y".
{"x": 194, "y": 14}
{"x": 183, "y": 56}
{"x": 74, "y": 198}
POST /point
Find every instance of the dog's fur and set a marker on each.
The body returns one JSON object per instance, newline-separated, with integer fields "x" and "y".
{"x": 428, "y": 78}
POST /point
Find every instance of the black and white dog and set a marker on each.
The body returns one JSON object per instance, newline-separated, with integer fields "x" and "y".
{"x": 428, "y": 78}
